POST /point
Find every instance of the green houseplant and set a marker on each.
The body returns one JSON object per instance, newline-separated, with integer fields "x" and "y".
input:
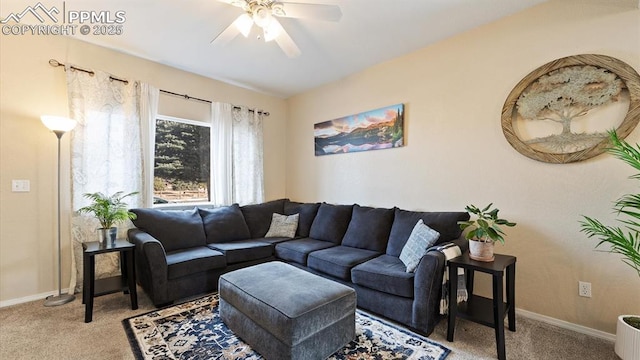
{"x": 484, "y": 231}
{"x": 624, "y": 241}
{"x": 109, "y": 210}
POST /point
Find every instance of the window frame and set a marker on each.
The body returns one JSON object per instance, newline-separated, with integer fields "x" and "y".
{"x": 151, "y": 166}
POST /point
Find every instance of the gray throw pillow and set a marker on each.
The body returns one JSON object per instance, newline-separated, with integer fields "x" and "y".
{"x": 175, "y": 229}
{"x": 283, "y": 226}
{"x": 422, "y": 237}
{"x": 331, "y": 222}
{"x": 225, "y": 223}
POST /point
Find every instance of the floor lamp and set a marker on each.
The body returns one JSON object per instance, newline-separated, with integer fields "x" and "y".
{"x": 59, "y": 125}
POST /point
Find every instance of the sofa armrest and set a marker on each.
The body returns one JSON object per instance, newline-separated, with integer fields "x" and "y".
{"x": 428, "y": 287}
{"x": 151, "y": 265}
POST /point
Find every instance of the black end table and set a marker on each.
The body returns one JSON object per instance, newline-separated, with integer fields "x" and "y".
{"x": 482, "y": 310}
{"x": 125, "y": 282}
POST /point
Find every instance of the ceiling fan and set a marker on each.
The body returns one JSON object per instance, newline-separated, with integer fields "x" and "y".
{"x": 263, "y": 13}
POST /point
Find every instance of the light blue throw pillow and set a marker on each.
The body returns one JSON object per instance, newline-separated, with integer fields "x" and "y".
{"x": 422, "y": 237}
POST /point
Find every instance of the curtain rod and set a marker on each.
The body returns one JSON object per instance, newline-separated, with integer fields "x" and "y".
{"x": 56, "y": 63}
{"x": 187, "y": 97}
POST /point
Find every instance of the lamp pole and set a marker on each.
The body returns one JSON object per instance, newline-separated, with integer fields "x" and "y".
{"x": 59, "y": 126}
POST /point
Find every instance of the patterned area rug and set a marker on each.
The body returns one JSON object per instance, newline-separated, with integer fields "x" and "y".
{"x": 194, "y": 330}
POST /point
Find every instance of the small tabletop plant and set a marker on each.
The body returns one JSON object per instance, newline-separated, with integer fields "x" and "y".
{"x": 108, "y": 209}
{"x": 487, "y": 227}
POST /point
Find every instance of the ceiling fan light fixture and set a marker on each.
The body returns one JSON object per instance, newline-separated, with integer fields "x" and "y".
{"x": 277, "y": 9}
{"x": 262, "y": 16}
{"x": 244, "y": 23}
{"x": 265, "y": 14}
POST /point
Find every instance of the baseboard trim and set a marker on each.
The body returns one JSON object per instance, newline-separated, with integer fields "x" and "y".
{"x": 41, "y": 296}
{"x": 567, "y": 325}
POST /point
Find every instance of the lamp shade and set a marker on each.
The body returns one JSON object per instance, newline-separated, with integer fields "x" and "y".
{"x": 58, "y": 123}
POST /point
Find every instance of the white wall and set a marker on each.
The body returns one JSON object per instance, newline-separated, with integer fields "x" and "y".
{"x": 456, "y": 154}
{"x": 30, "y": 87}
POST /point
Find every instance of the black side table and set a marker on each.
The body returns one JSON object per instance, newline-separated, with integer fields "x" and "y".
{"x": 125, "y": 282}
{"x": 482, "y": 310}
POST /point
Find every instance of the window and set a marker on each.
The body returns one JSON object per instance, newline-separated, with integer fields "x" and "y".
{"x": 182, "y": 161}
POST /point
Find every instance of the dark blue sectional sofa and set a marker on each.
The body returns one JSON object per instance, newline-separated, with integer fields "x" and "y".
{"x": 181, "y": 253}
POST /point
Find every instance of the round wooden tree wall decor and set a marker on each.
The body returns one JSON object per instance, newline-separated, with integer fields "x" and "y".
{"x": 561, "y": 112}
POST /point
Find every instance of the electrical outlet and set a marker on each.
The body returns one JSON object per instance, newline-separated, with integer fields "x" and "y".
{"x": 584, "y": 289}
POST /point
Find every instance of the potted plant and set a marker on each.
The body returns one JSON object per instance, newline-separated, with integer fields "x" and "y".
{"x": 623, "y": 240}
{"x": 484, "y": 231}
{"x": 109, "y": 210}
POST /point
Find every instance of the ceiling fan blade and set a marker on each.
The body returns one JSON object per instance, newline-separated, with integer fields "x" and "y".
{"x": 226, "y": 35}
{"x": 311, "y": 11}
{"x": 285, "y": 41}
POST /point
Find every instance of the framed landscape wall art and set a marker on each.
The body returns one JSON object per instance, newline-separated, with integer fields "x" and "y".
{"x": 371, "y": 130}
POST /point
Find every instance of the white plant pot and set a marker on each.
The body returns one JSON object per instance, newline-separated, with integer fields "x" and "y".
{"x": 627, "y": 340}
{"x": 481, "y": 251}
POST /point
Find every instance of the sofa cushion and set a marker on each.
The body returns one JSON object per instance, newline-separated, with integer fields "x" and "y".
{"x": 307, "y": 213}
{"x": 331, "y": 222}
{"x": 283, "y": 226}
{"x": 175, "y": 229}
{"x": 193, "y": 260}
{"x": 446, "y": 223}
{"x": 422, "y": 238}
{"x": 298, "y": 250}
{"x": 369, "y": 228}
{"x": 244, "y": 250}
{"x": 272, "y": 240}
{"x": 258, "y": 216}
{"x": 384, "y": 273}
{"x": 337, "y": 261}
{"x": 224, "y": 223}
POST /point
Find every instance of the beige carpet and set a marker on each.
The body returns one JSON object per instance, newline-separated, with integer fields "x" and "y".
{"x": 33, "y": 331}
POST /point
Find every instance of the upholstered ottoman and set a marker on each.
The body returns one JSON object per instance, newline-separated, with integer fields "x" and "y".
{"x": 284, "y": 312}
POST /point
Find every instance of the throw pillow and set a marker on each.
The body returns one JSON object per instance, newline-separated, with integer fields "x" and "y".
{"x": 283, "y": 226}
{"x": 422, "y": 237}
{"x": 175, "y": 229}
{"x": 307, "y": 213}
{"x": 369, "y": 228}
{"x": 225, "y": 223}
{"x": 258, "y": 216}
{"x": 331, "y": 222}
{"x": 446, "y": 223}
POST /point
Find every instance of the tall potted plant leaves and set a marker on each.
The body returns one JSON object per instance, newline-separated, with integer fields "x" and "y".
{"x": 623, "y": 240}
{"x": 109, "y": 210}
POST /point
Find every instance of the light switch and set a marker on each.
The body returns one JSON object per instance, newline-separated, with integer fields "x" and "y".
{"x": 20, "y": 185}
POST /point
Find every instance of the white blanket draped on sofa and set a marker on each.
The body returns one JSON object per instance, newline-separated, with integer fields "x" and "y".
{"x": 451, "y": 251}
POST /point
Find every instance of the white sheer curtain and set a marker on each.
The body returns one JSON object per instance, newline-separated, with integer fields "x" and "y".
{"x": 236, "y": 159}
{"x": 221, "y": 153}
{"x": 106, "y": 156}
{"x": 248, "y": 172}
{"x": 149, "y": 96}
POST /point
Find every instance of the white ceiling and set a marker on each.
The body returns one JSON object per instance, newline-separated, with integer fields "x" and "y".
{"x": 178, "y": 34}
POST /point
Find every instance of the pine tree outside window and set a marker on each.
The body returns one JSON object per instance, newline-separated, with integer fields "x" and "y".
{"x": 182, "y": 154}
